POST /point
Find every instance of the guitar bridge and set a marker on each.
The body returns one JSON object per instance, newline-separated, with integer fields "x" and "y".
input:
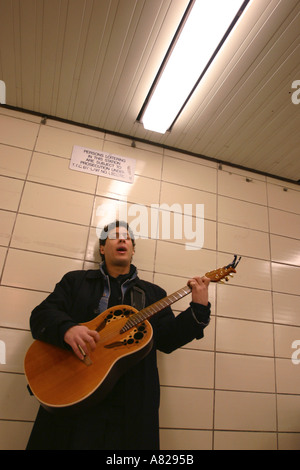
{"x": 86, "y": 359}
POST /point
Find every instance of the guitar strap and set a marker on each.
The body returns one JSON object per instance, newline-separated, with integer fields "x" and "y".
{"x": 138, "y": 298}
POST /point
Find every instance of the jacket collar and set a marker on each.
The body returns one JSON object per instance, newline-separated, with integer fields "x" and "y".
{"x": 130, "y": 277}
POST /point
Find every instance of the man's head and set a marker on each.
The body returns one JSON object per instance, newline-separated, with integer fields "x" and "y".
{"x": 117, "y": 243}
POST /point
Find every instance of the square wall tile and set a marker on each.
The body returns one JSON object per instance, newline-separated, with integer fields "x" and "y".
{"x": 172, "y": 194}
{"x": 243, "y": 241}
{"x": 178, "y": 369}
{"x": 245, "y": 411}
{"x": 142, "y": 191}
{"x": 193, "y": 232}
{"x": 285, "y": 336}
{"x": 288, "y": 413}
{"x": 285, "y": 250}
{"x": 251, "y": 272}
{"x": 18, "y": 132}
{"x": 36, "y": 271}
{"x": 288, "y": 375}
{"x": 289, "y": 441}
{"x": 245, "y": 373}
{"x": 286, "y": 279}
{"x": 14, "y": 435}
{"x": 288, "y": 201}
{"x": 14, "y": 161}
{"x": 55, "y": 171}
{"x": 50, "y": 236}
{"x": 286, "y": 309}
{"x": 207, "y": 343}
{"x": 237, "y": 187}
{"x": 174, "y": 258}
{"x": 16, "y": 344}
{"x": 189, "y": 174}
{"x": 185, "y": 439}
{"x": 106, "y": 210}
{"x": 230, "y": 440}
{"x": 144, "y": 254}
{"x": 284, "y": 223}
{"x": 17, "y": 306}
{"x": 176, "y": 412}
{"x": 244, "y": 303}
{"x": 244, "y": 337}
{"x": 10, "y": 193}
{"x": 56, "y": 203}
{"x": 244, "y": 214}
{"x": 60, "y": 142}
{"x": 15, "y": 401}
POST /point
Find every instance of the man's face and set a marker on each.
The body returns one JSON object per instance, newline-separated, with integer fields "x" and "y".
{"x": 118, "y": 249}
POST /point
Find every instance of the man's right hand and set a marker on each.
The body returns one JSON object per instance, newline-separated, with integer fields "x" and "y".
{"x": 82, "y": 336}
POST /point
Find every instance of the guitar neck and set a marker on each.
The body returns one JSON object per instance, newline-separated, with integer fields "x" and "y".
{"x": 215, "y": 276}
{"x": 148, "y": 312}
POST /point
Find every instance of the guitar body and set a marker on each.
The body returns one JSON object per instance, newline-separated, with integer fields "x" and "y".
{"x": 64, "y": 384}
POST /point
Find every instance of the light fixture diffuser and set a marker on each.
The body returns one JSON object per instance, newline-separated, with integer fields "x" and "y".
{"x": 199, "y": 39}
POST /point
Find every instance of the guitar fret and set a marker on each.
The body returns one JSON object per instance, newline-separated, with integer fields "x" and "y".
{"x": 148, "y": 312}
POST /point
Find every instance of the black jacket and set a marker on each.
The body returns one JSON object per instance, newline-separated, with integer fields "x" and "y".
{"x": 128, "y": 416}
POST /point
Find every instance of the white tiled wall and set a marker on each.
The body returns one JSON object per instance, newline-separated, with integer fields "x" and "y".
{"x": 235, "y": 389}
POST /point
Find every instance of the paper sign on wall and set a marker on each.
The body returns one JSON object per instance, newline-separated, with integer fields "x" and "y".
{"x": 103, "y": 164}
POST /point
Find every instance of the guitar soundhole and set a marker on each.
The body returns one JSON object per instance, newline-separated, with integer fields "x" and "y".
{"x": 117, "y": 314}
{"x": 137, "y": 335}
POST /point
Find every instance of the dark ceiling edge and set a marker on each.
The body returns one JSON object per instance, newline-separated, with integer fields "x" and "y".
{"x": 149, "y": 142}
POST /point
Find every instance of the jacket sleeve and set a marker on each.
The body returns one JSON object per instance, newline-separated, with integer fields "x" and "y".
{"x": 172, "y": 332}
{"x": 52, "y": 318}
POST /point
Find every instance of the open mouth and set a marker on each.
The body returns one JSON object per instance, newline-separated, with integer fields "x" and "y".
{"x": 121, "y": 249}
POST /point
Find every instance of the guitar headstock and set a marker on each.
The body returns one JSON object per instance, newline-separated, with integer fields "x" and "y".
{"x": 223, "y": 273}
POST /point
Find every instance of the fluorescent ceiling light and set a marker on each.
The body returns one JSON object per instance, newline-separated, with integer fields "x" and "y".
{"x": 207, "y": 23}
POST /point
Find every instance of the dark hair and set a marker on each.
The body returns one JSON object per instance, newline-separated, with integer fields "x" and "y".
{"x": 112, "y": 226}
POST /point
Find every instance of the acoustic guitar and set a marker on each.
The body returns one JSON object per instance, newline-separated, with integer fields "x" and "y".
{"x": 64, "y": 384}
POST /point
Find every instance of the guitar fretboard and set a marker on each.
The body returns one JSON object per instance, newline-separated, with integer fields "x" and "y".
{"x": 148, "y": 312}
{"x": 215, "y": 276}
